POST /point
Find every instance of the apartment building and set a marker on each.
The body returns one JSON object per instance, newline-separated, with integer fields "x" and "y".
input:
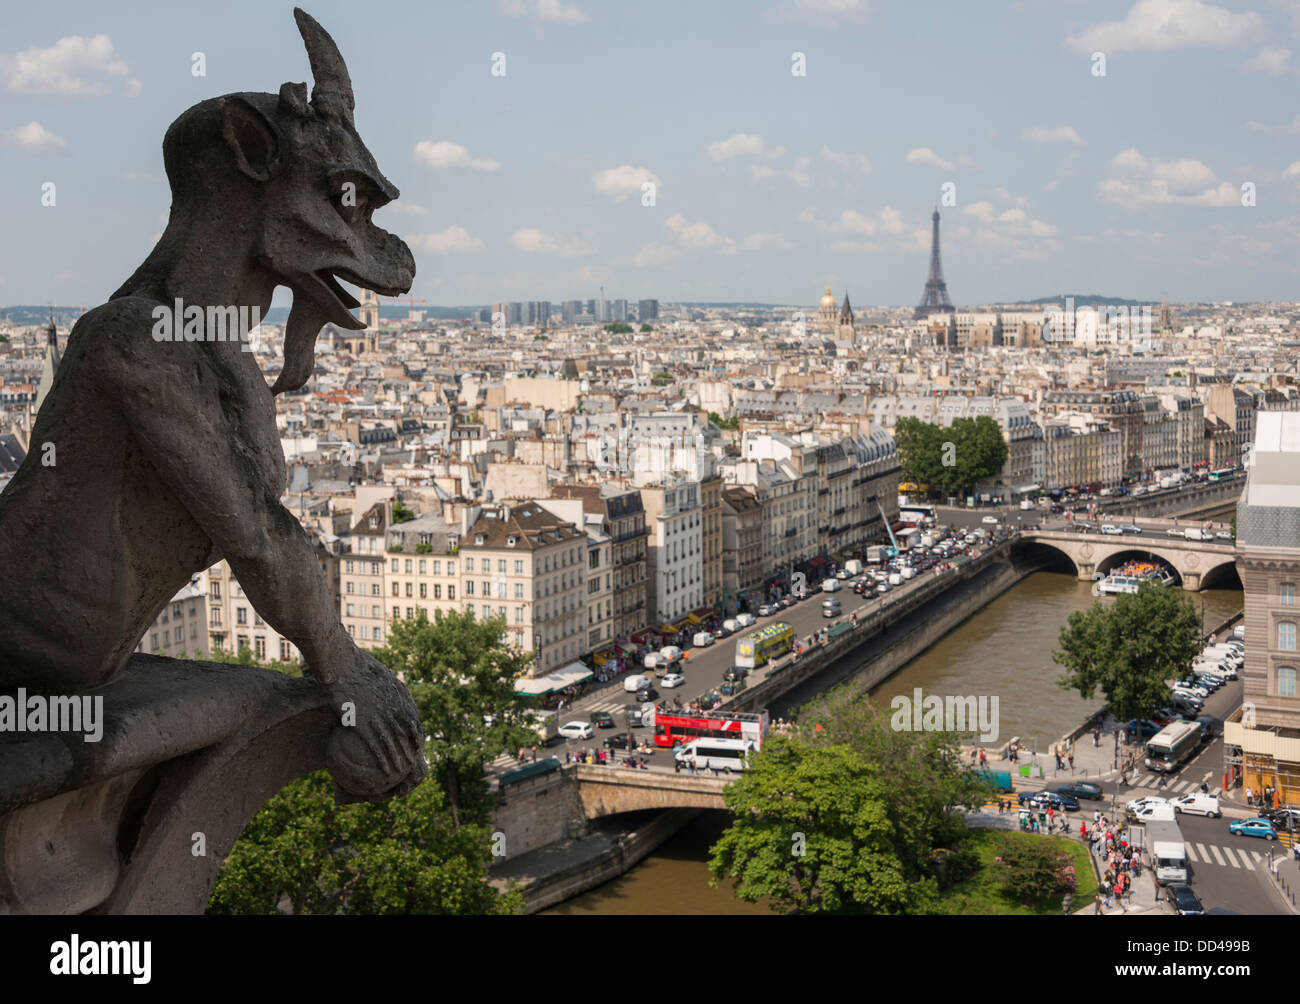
{"x": 361, "y": 576}
{"x": 674, "y": 517}
{"x": 523, "y": 564}
{"x": 181, "y": 628}
{"x": 742, "y": 548}
{"x": 1120, "y": 409}
{"x": 422, "y": 558}
{"x": 625, "y": 522}
{"x": 1265, "y": 744}
{"x": 711, "y": 537}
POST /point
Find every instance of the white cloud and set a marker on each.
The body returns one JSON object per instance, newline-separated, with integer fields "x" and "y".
{"x": 1143, "y": 181}
{"x": 1170, "y": 24}
{"x": 533, "y": 241}
{"x": 453, "y": 240}
{"x": 445, "y": 154}
{"x": 543, "y": 10}
{"x": 833, "y": 6}
{"x": 762, "y": 242}
{"x": 33, "y": 137}
{"x": 859, "y": 162}
{"x": 62, "y": 69}
{"x": 739, "y": 145}
{"x": 1292, "y": 128}
{"x": 655, "y": 254}
{"x": 1273, "y": 61}
{"x": 1292, "y": 170}
{"x": 1006, "y": 196}
{"x": 698, "y": 236}
{"x": 624, "y": 180}
{"x": 980, "y": 210}
{"x": 924, "y": 155}
{"x": 886, "y": 222}
{"x": 1061, "y": 134}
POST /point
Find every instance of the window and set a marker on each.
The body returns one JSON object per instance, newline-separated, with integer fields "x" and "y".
{"x": 374, "y": 589}
{"x": 451, "y": 568}
{"x": 242, "y": 643}
{"x": 1286, "y": 636}
{"x": 410, "y": 614}
{"x": 259, "y": 644}
{"x": 374, "y": 569}
{"x": 408, "y": 566}
{"x": 348, "y": 588}
{"x": 501, "y": 566}
{"x": 365, "y": 633}
{"x": 241, "y": 615}
{"x": 376, "y": 612}
{"x": 397, "y": 613}
{"x": 487, "y": 612}
{"x": 501, "y": 590}
{"x": 519, "y": 615}
{"x": 396, "y": 589}
{"x": 451, "y": 592}
{"x": 350, "y": 610}
{"x": 285, "y": 653}
{"x": 1286, "y": 594}
{"x": 519, "y": 590}
{"x": 437, "y": 590}
{"x": 408, "y": 589}
{"x": 395, "y": 565}
{"x": 349, "y": 566}
{"x": 423, "y": 565}
{"x": 469, "y": 564}
{"x": 424, "y": 591}
{"x": 469, "y": 587}
{"x": 437, "y": 567}
{"x": 519, "y": 568}
{"x": 179, "y": 633}
{"x": 1286, "y": 682}
{"x": 216, "y": 590}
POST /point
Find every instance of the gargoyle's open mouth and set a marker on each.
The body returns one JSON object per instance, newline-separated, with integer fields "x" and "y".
{"x": 329, "y": 280}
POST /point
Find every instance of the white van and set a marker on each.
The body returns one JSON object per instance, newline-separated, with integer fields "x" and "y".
{"x": 831, "y": 586}
{"x": 715, "y": 754}
{"x": 636, "y": 682}
{"x": 745, "y": 620}
{"x": 703, "y": 639}
{"x": 731, "y": 625}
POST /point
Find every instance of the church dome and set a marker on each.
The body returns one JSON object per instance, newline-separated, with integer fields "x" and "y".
{"x": 828, "y": 300}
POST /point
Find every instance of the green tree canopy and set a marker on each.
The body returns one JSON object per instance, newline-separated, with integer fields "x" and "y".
{"x": 461, "y": 674}
{"x": 950, "y": 460}
{"x": 303, "y": 854}
{"x": 1130, "y": 648}
{"x": 848, "y": 815}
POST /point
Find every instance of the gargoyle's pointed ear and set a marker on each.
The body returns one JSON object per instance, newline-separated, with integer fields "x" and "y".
{"x": 251, "y": 138}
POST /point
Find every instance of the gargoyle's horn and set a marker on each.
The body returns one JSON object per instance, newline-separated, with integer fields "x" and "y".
{"x": 332, "y": 93}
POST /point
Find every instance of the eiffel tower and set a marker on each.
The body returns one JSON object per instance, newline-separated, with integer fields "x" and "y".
{"x": 935, "y": 298}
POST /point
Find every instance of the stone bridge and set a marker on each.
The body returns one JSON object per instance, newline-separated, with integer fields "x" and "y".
{"x": 605, "y": 791}
{"x": 1197, "y": 564}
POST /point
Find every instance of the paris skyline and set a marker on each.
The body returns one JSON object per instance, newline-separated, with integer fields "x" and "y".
{"x": 767, "y": 183}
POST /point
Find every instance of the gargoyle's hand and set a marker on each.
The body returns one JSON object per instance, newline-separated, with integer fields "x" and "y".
{"x": 376, "y": 752}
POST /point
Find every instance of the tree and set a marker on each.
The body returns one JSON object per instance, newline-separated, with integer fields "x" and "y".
{"x": 646, "y": 327}
{"x": 619, "y": 328}
{"x": 1033, "y": 870}
{"x": 402, "y": 513}
{"x": 461, "y": 674}
{"x": 245, "y": 657}
{"x": 950, "y": 460}
{"x": 303, "y": 854}
{"x": 724, "y": 423}
{"x": 871, "y": 809}
{"x": 1129, "y": 649}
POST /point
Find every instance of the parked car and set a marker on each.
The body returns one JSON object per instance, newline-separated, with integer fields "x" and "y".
{"x": 735, "y": 673}
{"x": 990, "y": 520}
{"x": 1174, "y": 531}
{"x": 672, "y": 680}
{"x": 1223, "y": 534}
{"x": 602, "y": 719}
{"x": 576, "y": 730}
{"x": 1257, "y": 826}
{"x": 618, "y": 741}
{"x": 1198, "y": 804}
{"x": 1111, "y": 530}
{"x": 1184, "y": 901}
{"x": 1130, "y": 528}
{"x": 1080, "y": 789}
{"x": 766, "y": 610}
{"x": 1139, "y": 804}
{"x": 1147, "y": 727}
{"x": 647, "y": 694}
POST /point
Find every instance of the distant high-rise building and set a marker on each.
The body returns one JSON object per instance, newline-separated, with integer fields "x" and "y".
{"x": 515, "y": 313}
{"x": 619, "y": 312}
{"x": 499, "y": 307}
{"x": 485, "y": 315}
{"x": 592, "y": 308}
{"x": 541, "y": 311}
{"x": 647, "y": 310}
{"x": 569, "y": 311}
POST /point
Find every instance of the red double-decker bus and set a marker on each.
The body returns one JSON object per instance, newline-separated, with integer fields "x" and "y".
{"x": 673, "y": 728}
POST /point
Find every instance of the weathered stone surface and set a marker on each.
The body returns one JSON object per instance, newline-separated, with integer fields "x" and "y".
{"x": 167, "y": 458}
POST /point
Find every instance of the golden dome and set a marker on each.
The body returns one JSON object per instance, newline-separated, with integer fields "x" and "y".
{"x": 828, "y": 300}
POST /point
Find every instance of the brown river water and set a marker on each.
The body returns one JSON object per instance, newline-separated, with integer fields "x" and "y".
{"x": 1005, "y": 650}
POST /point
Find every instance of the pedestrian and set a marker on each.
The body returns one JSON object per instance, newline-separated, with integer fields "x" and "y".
{"x": 1083, "y": 830}
{"x": 983, "y": 758}
{"x": 1249, "y": 796}
{"x": 1098, "y": 903}
{"x": 1071, "y": 761}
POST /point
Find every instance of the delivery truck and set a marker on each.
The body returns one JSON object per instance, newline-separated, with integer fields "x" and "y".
{"x": 1166, "y": 851}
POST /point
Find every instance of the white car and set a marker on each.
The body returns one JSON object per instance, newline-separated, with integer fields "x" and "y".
{"x": 577, "y": 730}
{"x": 1111, "y": 530}
{"x": 1139, "y": 804}
{"x": 1198, "y": 804}
{"x": 672, "y": 680}
{"x": 991, "y": 520}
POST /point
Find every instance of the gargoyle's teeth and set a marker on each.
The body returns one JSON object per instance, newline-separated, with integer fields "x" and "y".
{"x": 344, "y": 297}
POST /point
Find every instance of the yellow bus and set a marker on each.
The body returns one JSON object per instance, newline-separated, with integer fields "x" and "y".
{"x": 760, "y": 647}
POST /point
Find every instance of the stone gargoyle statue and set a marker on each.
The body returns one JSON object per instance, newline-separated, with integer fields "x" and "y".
{"x": 167, "y": 454}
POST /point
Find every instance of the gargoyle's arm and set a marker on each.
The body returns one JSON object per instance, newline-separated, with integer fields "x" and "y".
{"x": 176, "y": 404}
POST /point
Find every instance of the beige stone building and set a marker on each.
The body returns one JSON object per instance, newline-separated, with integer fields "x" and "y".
{"x": 711, "y": 525}
{"x": 1262, "y": 739}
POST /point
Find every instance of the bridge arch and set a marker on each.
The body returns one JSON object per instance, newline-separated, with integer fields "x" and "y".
{"x": 1224, "y": 575}
{"x": 1121, "y": 557}
{"x": 1042, "y": 556}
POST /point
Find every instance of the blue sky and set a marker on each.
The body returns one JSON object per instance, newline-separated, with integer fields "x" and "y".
{"x": 767, "y": 185}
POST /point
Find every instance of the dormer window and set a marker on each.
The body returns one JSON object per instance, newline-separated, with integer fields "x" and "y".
{"x": 374, "y": 522}
{"x": 478, "y": 538}
{"x": 511, "y": 540}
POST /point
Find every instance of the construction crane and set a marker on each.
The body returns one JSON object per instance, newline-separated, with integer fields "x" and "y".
{"x": 411, "y": 301}
{"x": 892, "y": 551}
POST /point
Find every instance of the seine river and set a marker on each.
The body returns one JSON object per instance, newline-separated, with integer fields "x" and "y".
{"x": 1005, "y": 649}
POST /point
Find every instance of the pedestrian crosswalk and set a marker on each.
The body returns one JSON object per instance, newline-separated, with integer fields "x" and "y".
{"x": 1240, "y": 858}
{"x": 1166, "y": 785}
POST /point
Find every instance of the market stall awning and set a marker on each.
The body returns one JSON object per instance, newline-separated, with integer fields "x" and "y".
{"x": 574, "y": 672}
{"x": 667, "y": 629}
{"x": 693, "y": 619}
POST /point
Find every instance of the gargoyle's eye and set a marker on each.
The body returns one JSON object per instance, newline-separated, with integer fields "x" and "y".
{"x": 352, "y": 203}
